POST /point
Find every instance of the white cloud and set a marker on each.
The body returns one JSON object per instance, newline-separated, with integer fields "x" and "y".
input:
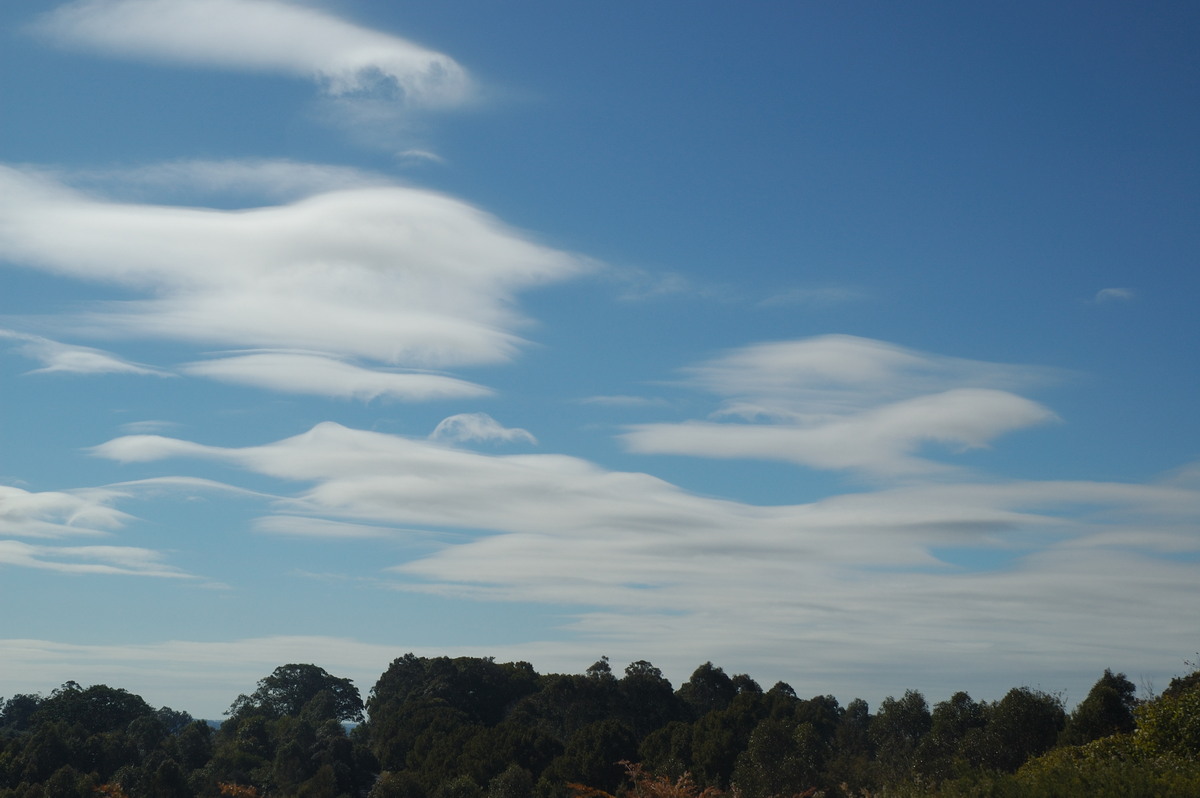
{"x": 399, "y": 276}
{"x": 881, "y": 440}
{"x": 56, "y": 514}
{"x": 1113, "y": 295}
{"x": 60, "y": 358}
{"x": 294, "y": 372}
{"x": 665, "y": 574}
{"x": 90, "y": 512}
{"x": 262, "y": 36}
{"x": 478, "y": 427}
{"x": 304, "y": 527}
{"x": 841, "y": 402}
{"x": 108, "y": 560}
{"x": 252, "y": 179}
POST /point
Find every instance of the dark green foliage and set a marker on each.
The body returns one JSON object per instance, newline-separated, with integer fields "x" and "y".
{"x": 1021, "y": 725}
{"x": 593, "y": 754}
{"x": 853, "y": 751}
{"x": 290, "y": 687}
{"x": 18, "y": 712}
{"x": 474, "y": 728}
{"x": 397, "y": 784}
{"x": 954, "y": 728}
{"x": 708, "y": 690}
{"x": 720, "y": 736}
{"x": 97, "y": 709}
{"x": 782, "y": 758}
{"x": 668, "y": 750}
{"x": 1107, "y": 710}
{"x": 514, "y": 782}
{"x": 646, "y": 700}
{"x": 896, "y": 730}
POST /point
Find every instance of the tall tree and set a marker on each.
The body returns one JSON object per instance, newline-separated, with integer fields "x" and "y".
{"x": 708, "y": 689}
{"x": 896, "y": 730}
{"x": 1107, "y": 710}
{"x": 290, "y": 687}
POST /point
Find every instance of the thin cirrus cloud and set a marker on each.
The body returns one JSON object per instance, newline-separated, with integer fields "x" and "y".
{"x": 389, "y": 277}
{"x": 262, "y": 36}
{"x": 112, "y": 560}
{"x": 650, "y": 564}
{"x": 57, "y": 514}
{"x": 60, "y": 358}
{"x": 53, "y": 515}
{"x": 252, "y": 179}
{"x": 841, "y": 402}
{"x": 1106, "y": 295}
{"x": 320, "y": 375}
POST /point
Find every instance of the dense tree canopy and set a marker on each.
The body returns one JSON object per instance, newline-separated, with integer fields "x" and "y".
{"x": 290, "y": 688}
{"x": 473, "y": 728}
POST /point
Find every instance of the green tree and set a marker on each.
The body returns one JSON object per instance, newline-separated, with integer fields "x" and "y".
{"x": 290, "y": 687}
{"x": 397, "y": 784}
{"x": 646, "y": 700}
{"x": 593, "y": 756}
{"x": 514, "y": 782}
{"x": 782, "y": 758}
{"x": 1170, "y": 726}
{"x": 98, "y": 708}
{"x": 896, "y": 730}
{"x": 940, "y": 754}
{"x": 719, "y": 737}
{"x": 709, "y": 689}
{"x": 1107, "y": 710}
{"x": 1021, "y": 725}
{"x": 19, "y": 711}
{"x": 853, "y": 751}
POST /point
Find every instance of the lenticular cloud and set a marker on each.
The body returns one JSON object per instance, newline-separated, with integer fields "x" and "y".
{"x": 263, "y": 36}
{"x": 388, "y": 276}
{"x": 847, "y": 403}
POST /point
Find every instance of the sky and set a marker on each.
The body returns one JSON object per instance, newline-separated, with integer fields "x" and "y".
{"x": 846, "y": 344}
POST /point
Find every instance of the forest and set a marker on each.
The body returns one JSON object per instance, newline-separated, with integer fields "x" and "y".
{"x": 470, "y": 727}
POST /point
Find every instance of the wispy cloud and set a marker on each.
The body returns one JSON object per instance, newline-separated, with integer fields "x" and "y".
{"x": 56, "y": 514}
{"x": 323, "y": 528}
{"x": 392, "y": 278}
{"x": 53, "y": 515}
{"x": 60, "y": 358}
{"x": 262, "y": 36}
{"x": 621, "y": 400}
{"x": 639, "y": 285}
{"x": 841, "y": 402}
{"x": 823, "y": 296}
{"x": 319, "y": 375}
{"x": 1106, "y": 295}
{"x": 882, "y": 441}
{"x": 108, "y": 560}
{"x": 253, "y": 180}
{"x": 148, "y": 427}
{"x": 466, "y": 427}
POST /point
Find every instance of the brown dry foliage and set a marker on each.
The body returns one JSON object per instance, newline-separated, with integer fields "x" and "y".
{"x": 111, "y": 790}
{"x": 648, "y": 785}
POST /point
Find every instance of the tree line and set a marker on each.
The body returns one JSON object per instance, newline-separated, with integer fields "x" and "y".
{"x": 470, "y": 727}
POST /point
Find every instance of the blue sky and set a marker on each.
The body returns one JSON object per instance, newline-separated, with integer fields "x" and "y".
{"x": 848, "y": 344}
